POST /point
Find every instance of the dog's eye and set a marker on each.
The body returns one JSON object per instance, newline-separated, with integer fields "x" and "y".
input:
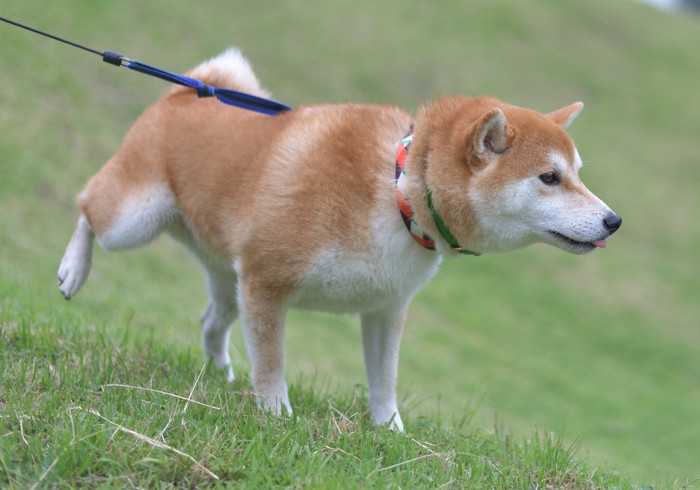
{"x": 550, "y": 178}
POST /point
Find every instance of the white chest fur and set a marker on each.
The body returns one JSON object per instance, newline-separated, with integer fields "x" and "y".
{"x": 387, "y": 273}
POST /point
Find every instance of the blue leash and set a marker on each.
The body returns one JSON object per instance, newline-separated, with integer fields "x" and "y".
{"x": 227, "y": 96}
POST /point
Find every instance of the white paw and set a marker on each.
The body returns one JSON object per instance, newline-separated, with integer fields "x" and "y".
{"x": 396, "y": 423}
{"x": 224, "y": 364}
{"x": 223, "y": 361}
{"x": 277, "y": 404}
{"x": 390, "y": 418}
{"x": 73, "y": 272}
{"x": 77, "y": 260}
{"x": 230, "y": 376}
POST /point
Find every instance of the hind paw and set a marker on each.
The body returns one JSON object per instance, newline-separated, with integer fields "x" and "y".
{"x": 76, "y": 262}
{"x": 223, "y": 362}
{"x": 72, "y": 274}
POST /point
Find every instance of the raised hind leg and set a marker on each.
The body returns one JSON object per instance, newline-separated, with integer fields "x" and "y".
{"x": 77, "y": 259}
{"x": 120, "y": 213}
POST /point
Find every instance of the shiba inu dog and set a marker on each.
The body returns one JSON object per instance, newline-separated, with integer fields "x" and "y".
{"x": 344, "y": 208}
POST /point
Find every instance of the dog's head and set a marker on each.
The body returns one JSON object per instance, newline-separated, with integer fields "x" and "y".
{"x": 521, "y": 180}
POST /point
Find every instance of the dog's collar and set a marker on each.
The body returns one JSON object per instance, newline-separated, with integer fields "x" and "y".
{"x": 416, "y": 231}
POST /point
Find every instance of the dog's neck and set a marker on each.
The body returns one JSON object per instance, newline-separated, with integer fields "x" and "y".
{"x": 414, "y": 228}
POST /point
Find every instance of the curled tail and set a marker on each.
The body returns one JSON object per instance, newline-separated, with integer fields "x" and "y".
{"x": 229, "y": 70}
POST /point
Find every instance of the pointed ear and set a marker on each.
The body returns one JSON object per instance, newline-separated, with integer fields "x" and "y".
{"x": 491, "y": 133}
{"x": 566, "y": 115}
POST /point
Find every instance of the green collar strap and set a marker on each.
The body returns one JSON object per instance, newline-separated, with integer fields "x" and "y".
{"x": 407, "y": 213}
{"x": 445, "y": 231}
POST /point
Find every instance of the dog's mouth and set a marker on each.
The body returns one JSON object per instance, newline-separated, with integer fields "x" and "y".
{"x": 576, "y": 245}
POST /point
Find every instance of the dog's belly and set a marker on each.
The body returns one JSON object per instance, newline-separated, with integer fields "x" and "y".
{"x": 346, "y": 284}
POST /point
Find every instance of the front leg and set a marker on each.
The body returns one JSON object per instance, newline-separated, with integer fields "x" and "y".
{"x": 381, "y": 336}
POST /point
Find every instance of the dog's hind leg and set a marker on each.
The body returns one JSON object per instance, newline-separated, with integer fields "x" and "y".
{"x": 76, "y": 262}
{"x": 121, "y": 210}
{"x": 220, "y": 313}
{"x": 222, "y": 309}
{"x": 262, "y": 315}
{"x": 381, "y": 336}
{"x": 136, "y": 219}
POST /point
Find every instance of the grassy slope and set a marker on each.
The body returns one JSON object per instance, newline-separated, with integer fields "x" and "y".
{"x": 603, "y": 347}
{"x": 87, "y": 415}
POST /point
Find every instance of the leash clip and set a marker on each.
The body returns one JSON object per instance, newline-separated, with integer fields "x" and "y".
{"x": 113, "y": 58}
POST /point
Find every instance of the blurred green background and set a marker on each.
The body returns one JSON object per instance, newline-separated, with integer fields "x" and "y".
{"x": 605, "y": 348}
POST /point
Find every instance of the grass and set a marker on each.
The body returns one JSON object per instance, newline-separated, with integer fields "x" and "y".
{"x": 601, "y": 351}
{"x": 92, "y": 407}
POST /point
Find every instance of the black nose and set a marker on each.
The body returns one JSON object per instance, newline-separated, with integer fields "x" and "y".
{"x": 612, "y": 222}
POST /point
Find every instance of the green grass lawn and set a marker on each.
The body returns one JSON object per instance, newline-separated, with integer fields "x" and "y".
{"x": 89, "y": 409}
{"x": 601, "y": 350}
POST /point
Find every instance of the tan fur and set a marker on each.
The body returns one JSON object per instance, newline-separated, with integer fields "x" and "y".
{"x": 300, "y": 209}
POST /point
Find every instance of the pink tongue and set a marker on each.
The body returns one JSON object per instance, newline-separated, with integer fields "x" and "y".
{"x": 599, "y": 243}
